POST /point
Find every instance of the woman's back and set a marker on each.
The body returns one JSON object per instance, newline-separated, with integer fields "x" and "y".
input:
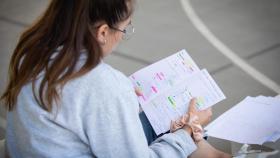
{"x": 85, "y": 108}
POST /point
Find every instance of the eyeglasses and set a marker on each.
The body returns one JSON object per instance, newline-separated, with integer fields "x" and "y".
{"x": 127, "y": 31}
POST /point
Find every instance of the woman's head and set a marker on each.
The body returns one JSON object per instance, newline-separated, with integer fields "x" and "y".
{"x": 109, "y": 22}
{"x": 108, "y": 37}
{"x": 75, "y": 25}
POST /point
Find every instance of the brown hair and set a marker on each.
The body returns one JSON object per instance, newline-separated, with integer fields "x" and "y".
{"x": 65, "y": 23}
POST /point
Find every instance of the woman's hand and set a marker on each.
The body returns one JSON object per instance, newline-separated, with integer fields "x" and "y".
{"x": 138, "y": 91}
{"x": 203, "y": 115}
{"x": 200, "y": 118}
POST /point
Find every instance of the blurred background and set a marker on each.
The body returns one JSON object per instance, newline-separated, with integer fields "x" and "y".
{"x": 251, "y": 29}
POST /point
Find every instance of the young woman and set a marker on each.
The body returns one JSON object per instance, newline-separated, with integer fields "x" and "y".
{"x": 64, "y": 101}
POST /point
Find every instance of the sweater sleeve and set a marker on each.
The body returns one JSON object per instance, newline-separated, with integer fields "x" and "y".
{"x": 114, "y": 130}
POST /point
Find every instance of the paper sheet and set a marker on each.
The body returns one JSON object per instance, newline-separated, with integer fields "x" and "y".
{"x": 163, "y": 74}
{"x": 252, "y": 121}
{"x": 168, "y": 86}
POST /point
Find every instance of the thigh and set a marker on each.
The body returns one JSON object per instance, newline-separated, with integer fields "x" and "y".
{"x": 148, "y": 129}
{"x": 205, "y": 150}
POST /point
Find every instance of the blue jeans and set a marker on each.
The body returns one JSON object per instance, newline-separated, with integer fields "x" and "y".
{"x": 148, "y": 129}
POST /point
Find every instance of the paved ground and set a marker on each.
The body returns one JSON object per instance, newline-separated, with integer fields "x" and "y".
{"x": 250, "y": 28}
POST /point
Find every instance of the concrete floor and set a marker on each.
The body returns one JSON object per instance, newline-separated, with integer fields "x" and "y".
{"x": 250, "y": 28}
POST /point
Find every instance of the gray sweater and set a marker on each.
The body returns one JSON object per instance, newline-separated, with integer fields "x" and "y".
{"x": 97, "y": 117}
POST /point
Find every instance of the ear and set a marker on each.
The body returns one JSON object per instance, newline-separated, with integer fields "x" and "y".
{"x": 102, "y": 34}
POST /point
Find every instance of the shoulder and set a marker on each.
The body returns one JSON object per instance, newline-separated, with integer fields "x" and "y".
{"x": 101, "y": 82}
{"x": 102, "y": 90}
{"x": 105, "y": 76}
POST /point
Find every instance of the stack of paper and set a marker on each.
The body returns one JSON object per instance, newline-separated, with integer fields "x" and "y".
{"x": 252, "y": 121}
{"x": 168, "y": 86}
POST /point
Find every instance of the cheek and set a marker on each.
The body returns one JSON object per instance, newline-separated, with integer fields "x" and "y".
{"x": 118, "y": 36}
{"x": 116, "y": 39}
{"x": 113, "y": 43}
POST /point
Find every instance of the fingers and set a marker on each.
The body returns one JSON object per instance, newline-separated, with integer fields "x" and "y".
{"x": 209, "y": 111}
{"x": 210, "y": 114}
{"x": 138, "y": 91}
{"x": 205, "y": 116}
{"x": 192, "y": 105}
